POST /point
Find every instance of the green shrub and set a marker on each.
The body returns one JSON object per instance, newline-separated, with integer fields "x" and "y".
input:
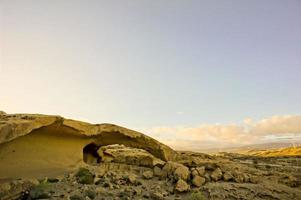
{"x": 196, "y": 196}
{"x": 84, "y": 176}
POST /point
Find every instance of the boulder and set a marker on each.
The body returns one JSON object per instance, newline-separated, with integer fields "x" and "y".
{"x": 194, "y": 173}
{"x": 128, "y": 155}
{"x": 201, "y": 170}
{"x": 157, "y": 171}
{"x": 198, "y": 181}
{"x": 182, "y": 186}
{"x": 216, "y": 174}
{"x": 156, "y": 196}
{"x": 175, "y": 170}
{"x": 227, "y": 176}
{"x": 148, "y": 174}
{"x": 182, "y": 172}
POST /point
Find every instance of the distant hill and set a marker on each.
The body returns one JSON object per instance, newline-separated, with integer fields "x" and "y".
{"x": 257, "y": 147}
{"x": 289, "y": 151}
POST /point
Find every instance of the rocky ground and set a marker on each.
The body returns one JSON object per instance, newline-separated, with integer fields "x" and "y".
{"x": 130, "y": 173}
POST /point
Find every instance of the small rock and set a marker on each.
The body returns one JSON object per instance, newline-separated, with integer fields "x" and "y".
{"x": 97, "y": 181}
{"x": 157, "y": 171}
{"x": 201, "y": 170}
{"x": 254, "y": 179}
{"x": 198, "y": 181}
{"x": 182, "y": 186}
{"x": 137, "y": 191}
{"x": 148, "y": 174}
{"x": 207, "y": 177}
{"x": 194, "y": 173}
{"x": 217, "y": 174}
{"x": 156, "y": 196}
{"x": 238, "y": 177}
{"x": 227, "y": 176}
{"x": 132, "y": 178}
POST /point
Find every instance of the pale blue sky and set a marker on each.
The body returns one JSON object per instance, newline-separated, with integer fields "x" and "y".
{"x": 151, "y": 63}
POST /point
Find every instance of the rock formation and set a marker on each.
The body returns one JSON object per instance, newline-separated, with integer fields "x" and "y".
{"x": 49, "y": 157}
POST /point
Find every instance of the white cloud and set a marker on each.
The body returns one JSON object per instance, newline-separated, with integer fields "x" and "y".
{"x": 217, "y": 135}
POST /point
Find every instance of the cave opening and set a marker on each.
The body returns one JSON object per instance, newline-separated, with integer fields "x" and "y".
{"x": 90, "y": 154}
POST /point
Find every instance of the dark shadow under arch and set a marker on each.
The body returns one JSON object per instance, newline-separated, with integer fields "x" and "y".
{"x": 90, "y": 154}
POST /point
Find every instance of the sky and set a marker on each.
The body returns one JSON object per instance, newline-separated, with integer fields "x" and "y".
{"x": 183, "y": 72}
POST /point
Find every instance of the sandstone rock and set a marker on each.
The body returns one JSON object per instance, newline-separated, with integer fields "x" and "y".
{"x": 182, "y": 186}
{"x": 198, "y": 181}
{"x": 254, "y": 179}
{"x": 216, "y": 174}
{"x": 201, "y": 170}
{"x": 148, "y": 174}
{"x": 238, "y": 177}
{"x": 207, "y": 177}
{"x": 227, "y": 176}
{"x": 157, "y": 171}
{"x": 16, "y": 125}
{"x": 156, "y": 196}
{"x": 194, "y": 173}
{"x": 132, "y": 178}
{"x": 175, "y": 170}
{"x": 128, "y": 155}
{"x": 182, "y": 172}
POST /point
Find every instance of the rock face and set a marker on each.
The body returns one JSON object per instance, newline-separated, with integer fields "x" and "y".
{"x": 128, "y": 155}
{"x": 13, "y": 126}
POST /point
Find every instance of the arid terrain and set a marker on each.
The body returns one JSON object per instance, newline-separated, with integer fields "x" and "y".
{"x": 50, "y": 157}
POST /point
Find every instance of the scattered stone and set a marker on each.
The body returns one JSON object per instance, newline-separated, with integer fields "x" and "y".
{"x": 201, "y": 170}
{"x": 227, "y": 176}
{"x": 254, "y": 179}
{"x": 207, "y": 177}
{"x": 132, "y": 178}
{"x": 182, "y": 186}
{"x": 157, "y": 171}
{"x": 156, "y": 196}
{"x": 194, "y": 173}
{"x": 216, "y": 174}
{"x": 239, "y": 177}
{"x": 198, "y": 181}
{"x": 148, "y": 174}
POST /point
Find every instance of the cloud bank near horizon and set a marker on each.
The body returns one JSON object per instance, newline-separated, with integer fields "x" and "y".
{"x": 248, "y": 132}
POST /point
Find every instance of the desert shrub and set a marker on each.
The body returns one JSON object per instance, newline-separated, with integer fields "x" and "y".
{"x": 76, "y": 197}
{"x": 40, "y": 191}
{"x": 84, "y": 176}
{"x": 196, "y": 196}
{"x": 90, "y": 193}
